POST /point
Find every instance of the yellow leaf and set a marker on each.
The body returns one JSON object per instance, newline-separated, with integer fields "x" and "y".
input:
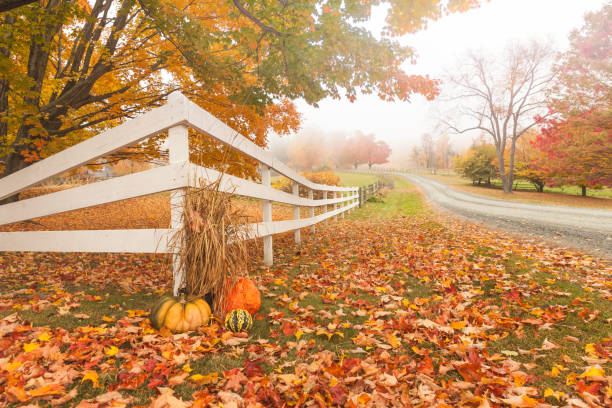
{"x": 393, "y": 341}
{"x": 108, "y": 319}
{"x": 12, "y": 367}
{"x": 593, "y": 372}
{"x": 299, "y": 334}
{"x": 111, "y": 351}
{"x": 30, "y": 347}
{"x": 414, "y": 307}
{"x": 187, "y": 368}
{"x": 570, "y": 379}
{"x": 405, "y": 302}
{"x": 363, "y": 398}
{"x": 590, "y": 350}
{"x": 205, "y": 379}
{"x": 549, "y": 393}
{"x": 458, "y": 325}
{"x": 91, "y": 376}
{"x": 44, "y": 336}
{"x": 49, "y": 389}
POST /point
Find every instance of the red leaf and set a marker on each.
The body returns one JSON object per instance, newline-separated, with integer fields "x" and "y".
{"x": 338, "y": 394}
{"x": 252, "y": 368}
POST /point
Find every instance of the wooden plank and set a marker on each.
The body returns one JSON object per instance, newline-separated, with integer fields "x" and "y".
{"x": 236, "y": 185}
{"x": 130, "y": 132}
{"x": 128, "y": 241}
{"x": 107, "y": 191}
{"x": 262, "y": 229}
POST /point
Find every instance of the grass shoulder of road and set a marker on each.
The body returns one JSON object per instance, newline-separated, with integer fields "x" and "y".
{"x": 569, "y": 196}
{"x": 401, "y": 201}
{"x": 386, "y": 302}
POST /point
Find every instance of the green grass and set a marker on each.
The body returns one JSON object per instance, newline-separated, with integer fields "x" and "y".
{"x": 113, "y": 304}
{"x": 356, "y": 179}
{"x": 402, "y": 201}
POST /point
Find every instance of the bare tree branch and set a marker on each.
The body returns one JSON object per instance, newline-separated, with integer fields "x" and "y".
{"x": 500, "y": 99}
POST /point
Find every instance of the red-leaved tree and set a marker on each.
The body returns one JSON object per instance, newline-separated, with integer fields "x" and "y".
{"x": 379, "y": 154}
{"x": 577, "y": 150}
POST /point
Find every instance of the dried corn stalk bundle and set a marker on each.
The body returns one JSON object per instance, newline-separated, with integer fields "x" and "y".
{"x": 211, "y": 246}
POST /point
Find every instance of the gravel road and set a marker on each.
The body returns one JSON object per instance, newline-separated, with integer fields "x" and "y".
{"x": 588, "y": 230}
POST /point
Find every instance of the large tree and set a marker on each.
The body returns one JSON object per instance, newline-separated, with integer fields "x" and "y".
{"x": 379, "y": 153}
{"x": 502, "y": 97}
{"x": 577, "y": 139}
{"x": 69, "y": 69}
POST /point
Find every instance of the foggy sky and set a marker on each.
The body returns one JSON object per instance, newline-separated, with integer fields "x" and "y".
{"x": 439, "y": 48}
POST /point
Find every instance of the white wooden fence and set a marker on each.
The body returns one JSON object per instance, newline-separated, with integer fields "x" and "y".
{"x": 180, "y": 173}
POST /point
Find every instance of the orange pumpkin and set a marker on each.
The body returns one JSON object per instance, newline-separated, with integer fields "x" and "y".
{"x": 243, "y": 294}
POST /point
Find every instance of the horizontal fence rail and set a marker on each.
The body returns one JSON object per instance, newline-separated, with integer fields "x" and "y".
{"x": 175, "y": 117}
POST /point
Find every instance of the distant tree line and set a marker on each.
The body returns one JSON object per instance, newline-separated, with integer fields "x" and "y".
{"x": 313, "y": 150}
{"x": 433, "y": 152}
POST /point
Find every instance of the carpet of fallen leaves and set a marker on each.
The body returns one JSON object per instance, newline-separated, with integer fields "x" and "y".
{"x": 399, "y": 311}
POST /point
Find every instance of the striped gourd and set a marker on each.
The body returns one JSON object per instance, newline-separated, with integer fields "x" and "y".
{"x": 238, "y": 320}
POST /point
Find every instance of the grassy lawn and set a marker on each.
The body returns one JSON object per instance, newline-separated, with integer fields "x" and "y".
{"x": 403, "y": 200}
{"x": 391, "y": 303}
{"x": 567, "y": 195}
{"x": 357, "y": 180}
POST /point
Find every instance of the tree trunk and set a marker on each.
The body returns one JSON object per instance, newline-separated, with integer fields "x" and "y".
{"x": 539, "y": 187}
{"x": 4, "y": 84}
{"x": 502, "y": 173}
{"x": 511, "y": 164}
{"x": 583, "y": 191}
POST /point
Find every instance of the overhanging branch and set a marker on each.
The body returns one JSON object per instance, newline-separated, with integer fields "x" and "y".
{"x": 6, "y": 5}
{"x": 257, "y": 21}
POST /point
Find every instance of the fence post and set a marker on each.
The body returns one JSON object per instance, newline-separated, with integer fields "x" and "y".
{"x": 311, "y": 196}
{"x": 325, "y": 206}
{"x": 266, "y": 206}
{"x": 178, "y": 152}
{"x": 335, "y": 206}
{"x": 296, "y": 213}
{"x": 342, "y": 195}
{"x": 360, "y": 197}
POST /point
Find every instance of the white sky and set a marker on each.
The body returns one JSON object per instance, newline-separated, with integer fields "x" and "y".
{"x": 488, "y": 28}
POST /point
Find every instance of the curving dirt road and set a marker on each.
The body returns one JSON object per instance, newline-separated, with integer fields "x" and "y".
{"x": 581, "y": 228}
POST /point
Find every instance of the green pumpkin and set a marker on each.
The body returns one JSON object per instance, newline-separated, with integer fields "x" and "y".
{"x": 180, "y": 315}
{"x": 238, "y": 320}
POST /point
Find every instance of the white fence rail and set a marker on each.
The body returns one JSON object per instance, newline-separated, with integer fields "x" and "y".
{"x": 175, "y": 117}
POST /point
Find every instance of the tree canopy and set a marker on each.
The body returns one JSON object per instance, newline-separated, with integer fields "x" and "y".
{"x": 69, "y": 69}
